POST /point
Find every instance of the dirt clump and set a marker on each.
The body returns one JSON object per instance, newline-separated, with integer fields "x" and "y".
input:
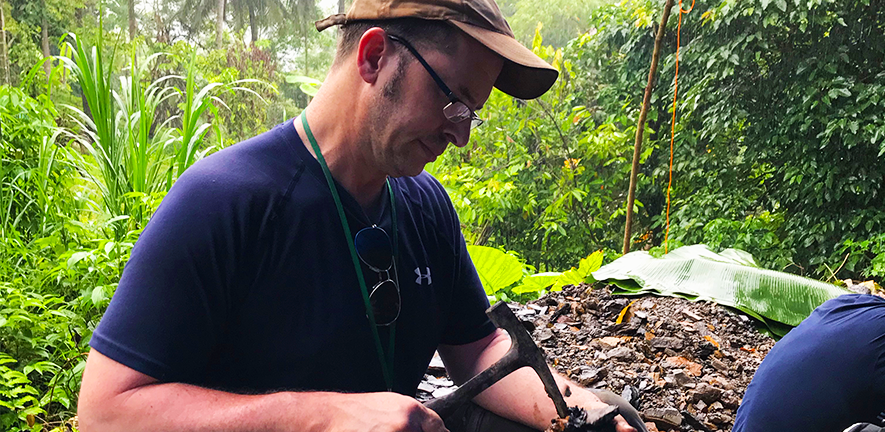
{"x": 684, "y": 365}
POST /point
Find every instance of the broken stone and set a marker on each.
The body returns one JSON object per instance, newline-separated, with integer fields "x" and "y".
{"x": 543, "y": 335}
{"x": 621, "y": 353}
{"x": 705, "y": 392}
{"x": 681, "y": 379}
{"x": 609, "y": 342}
{"x": 661, "y": 343}
{"x": 664, "y": 417}
{"x": 718, "y": 418}
{"x": 590, "y": 375}
{"x": 719, "y": 365}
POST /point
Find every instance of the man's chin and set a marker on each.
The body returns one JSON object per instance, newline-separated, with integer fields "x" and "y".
{"x": 408, "y": 171}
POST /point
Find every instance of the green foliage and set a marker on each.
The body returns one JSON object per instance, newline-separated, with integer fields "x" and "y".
{"x": 560, "y": 20}
{"x": 581, "y": 274}
{"x": 505, "y": 277}
{"x": 858, "y": 253}
{"x": 497, "y": 270}
{"x": 42, "y": 337}
{"x": 731, "y": 278}
{"x": 543, "y": 177}
{"x": 307, "y": 85}
{"x": 777, "y": 121}
{"x": 131, "y": 154}
{"x": 30, "y": 181}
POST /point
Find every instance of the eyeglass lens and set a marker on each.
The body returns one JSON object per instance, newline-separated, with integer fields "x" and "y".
{"x": 456, "y": 111}
{"x": 373, "y": 247}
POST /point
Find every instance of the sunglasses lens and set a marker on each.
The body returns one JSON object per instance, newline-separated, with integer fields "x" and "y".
{"x": 385, "y": 302}
{"x": 374, "y": 248}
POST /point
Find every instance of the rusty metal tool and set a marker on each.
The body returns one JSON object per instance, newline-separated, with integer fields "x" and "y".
{"x": 523, "y": 352}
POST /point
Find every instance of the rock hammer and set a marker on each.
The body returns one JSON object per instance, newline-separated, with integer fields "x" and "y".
{"x": 523, "y": 352}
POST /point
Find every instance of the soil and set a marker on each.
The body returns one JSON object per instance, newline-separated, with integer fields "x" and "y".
{"x": 684, "y": 365}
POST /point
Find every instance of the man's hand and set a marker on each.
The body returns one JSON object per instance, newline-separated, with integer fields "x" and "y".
{"x": 520, "y": 396}
{"x": 381, "y": 412}
{"x": 590, "y": 400}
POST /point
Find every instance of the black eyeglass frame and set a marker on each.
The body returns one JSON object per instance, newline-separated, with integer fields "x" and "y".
{"x": 383, "y": 275}
{"x": 456, "y": 111}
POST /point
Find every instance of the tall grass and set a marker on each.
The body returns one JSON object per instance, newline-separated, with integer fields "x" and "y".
{"x": 130, "y": 152}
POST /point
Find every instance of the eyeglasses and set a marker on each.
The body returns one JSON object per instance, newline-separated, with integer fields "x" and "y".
{"x": 456, "y": 111}
{"x": 375, "y": 250}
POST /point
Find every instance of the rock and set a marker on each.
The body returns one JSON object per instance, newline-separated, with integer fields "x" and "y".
{"x": 693, "y": 422}
{"x": 718, "y": 418}
{"x": 705, "y": 350}
{"x": 609, "y": 342}
{"x": 705, "y": 392}
{"x": 631, "y": 395}
{"x": 440, "y": 392}
{"x": 621, "y": 353}
{"x": 664, "y": 417}
{"x": 660, "y": 343}
{"x": 681, "y": 379}
{"x": 543, "y": 335}
{"x": 590, "y": 375}
{"x": 719, "y": 365}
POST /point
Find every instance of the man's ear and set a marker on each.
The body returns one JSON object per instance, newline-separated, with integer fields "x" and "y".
{"x": 373, "y": 54}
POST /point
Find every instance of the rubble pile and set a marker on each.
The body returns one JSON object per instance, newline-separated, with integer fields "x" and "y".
{"x": 683, "y": 365}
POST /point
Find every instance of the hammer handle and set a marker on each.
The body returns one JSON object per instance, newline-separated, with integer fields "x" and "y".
{"x": 447, "y": 405}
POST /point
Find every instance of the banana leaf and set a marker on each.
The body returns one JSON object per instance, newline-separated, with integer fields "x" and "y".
{"x": 730, "y": 278}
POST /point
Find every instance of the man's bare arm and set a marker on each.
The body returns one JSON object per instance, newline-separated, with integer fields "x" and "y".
{"x": 520, "y": 396}
{"x": 115, "y": 397}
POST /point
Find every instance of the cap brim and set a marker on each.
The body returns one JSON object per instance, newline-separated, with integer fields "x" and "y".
{"x": 525, "y": 75}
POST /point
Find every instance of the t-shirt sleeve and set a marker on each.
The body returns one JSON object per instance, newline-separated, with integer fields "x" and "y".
{"x": 467, "y": 321}
{"x": 171, "y": 305}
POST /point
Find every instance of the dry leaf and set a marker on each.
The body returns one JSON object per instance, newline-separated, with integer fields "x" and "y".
{"x": 626, "y": 313}
{"x": 712, "y": 341}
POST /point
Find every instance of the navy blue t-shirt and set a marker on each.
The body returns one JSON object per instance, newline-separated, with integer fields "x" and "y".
{"x": 823, "y": 376}
{"x": 243, "y": 280}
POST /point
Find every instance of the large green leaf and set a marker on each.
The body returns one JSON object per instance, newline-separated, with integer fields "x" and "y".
{"x": 575, "y": 276}
{"x": 730, "y": 278}
{"x": 310, "y": 86}
{"x": 497, "y": 270}
{"x": 536, "y": 282}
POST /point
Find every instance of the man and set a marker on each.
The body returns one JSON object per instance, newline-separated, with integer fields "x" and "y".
{"x": 823, "y": 376}
{"x": 302, "y": 280}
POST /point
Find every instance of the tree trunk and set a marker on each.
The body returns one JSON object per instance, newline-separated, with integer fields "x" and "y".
{"x": 253, "y": 25}
{"x": 219, "y": 23}
{"x": 4, "y": 54}
{"x": 133, "y": 28}
{"x": 637, "y": 146}
{"x": 47, "y": 64}
{"x": 342, "y": 6}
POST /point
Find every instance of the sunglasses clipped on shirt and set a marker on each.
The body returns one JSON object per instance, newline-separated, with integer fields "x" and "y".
{"x": 375, "y": 250}
{"x": 456, "y": 111}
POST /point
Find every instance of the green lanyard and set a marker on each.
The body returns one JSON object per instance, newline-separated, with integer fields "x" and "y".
{"x": 386, "y": 362}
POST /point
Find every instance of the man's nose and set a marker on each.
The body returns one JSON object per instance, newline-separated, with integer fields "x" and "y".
{"x": 457, "y": 133}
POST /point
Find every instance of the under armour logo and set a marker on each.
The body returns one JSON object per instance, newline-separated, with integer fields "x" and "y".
{"x": 422, "y": 276}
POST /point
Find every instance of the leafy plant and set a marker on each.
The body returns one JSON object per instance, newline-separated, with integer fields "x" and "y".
{"x": 731, "y": 278}
{"x": 497, "y": 270}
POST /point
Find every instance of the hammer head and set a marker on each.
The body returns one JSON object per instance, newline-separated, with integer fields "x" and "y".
{"x": 527, "y": 352}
